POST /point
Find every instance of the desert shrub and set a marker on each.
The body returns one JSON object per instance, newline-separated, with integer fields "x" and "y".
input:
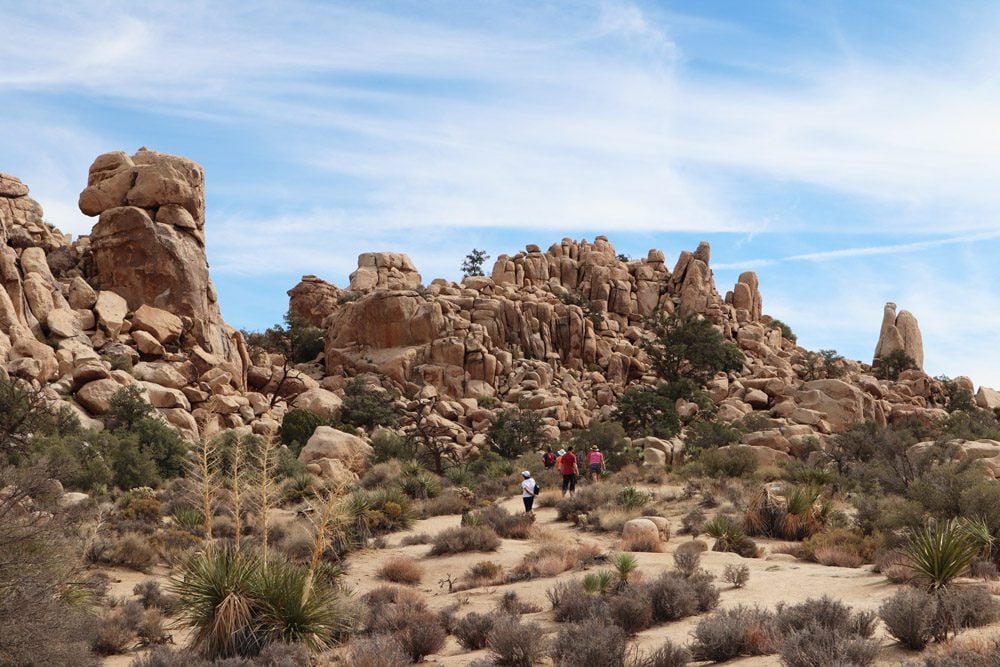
{"x": 510, "y": 603}
{"x": 609, "y": 436}
{"x": 298, "y": 488}
{"x": 382, "y": 510}
{"x": 693, "y": 522}
{"x": 141, "y": 507}
{"x": 730, "y": 462}
{"x": 418, "y": 538}
{"x": 464, "y": 538}
{"x": 515, "y": 644}
{"x": 961, "y": 607}
{"x": 151, "y": 596}
{"x": 737, "y": 575}
{"x": 842, "y": 547}
{"x": 382, "y": 474}
{"x": 601, "y": 581}
{"x": 571, "y": 603}
{"x": 585, "y": 501}
{"x": 734, "y": 632}
{"x": 632, "y": 613}
{"x": 687, "y": 558}
{"x": 671, "y": 597}
{"x": 115, "y": 630}
{"x": 977, "y": 654}
{"x": 711, "y": 435}
{"x": 472, "y": 631}
{"x": 632, "y": 497}
{"x": 131, "y": 550}
{"x": 894, "y": 363}
{"x": 367, "y": 407}
{"x": 668, "y": 655}
{"x": 817, "y": 645}
{"x": 389, "y": 445}
{"x": 418, "y": 630}
{"x": 910, "y": 616}
{"x": 642, "y": 411}
{"x": 449, "y": 502}
{"x": 590, "y": 642}
{"x": 376, "y": 651}
{"x": 643, "y": 543}
{"x": 401, "y": 570}
{"x": 502, "y": 522}
{"x": 484, "y": 569}
{"x": 824, "y": 612}
{"x": 297, "y": 426}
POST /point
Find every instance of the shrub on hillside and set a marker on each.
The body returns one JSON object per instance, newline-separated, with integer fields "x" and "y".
{"x": 473, "y": 630}
{"x": 515, "y": 644}
{"x": 730, "y": 633}
{"x": 367, "y": 407}
{"x": 590, "y": 642}
{"x": 464, "y": 538}
{"x": 401, "y": 570}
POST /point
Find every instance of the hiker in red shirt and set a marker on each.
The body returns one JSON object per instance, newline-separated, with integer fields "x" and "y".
{"x": 569, "y": 470}
{"x": 595, "y": 462}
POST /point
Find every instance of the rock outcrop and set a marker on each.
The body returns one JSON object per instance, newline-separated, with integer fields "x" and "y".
{"x": 899, "y": 332}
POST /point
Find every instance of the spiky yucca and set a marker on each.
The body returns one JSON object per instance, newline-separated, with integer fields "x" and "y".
{"x": 626, "y": 566}
{"x": 599, "y": 582}
{"x": 940, "y": 551}
{"x": 236, "y": 606}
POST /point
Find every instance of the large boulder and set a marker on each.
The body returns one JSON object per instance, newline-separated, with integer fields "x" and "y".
{"x": 899, "y": 332}
{"x": 329, "y": 443}
{"x": 319, "y": 401}
{"x": 987, "y": 398}
{"x": 840, "y": 404}
{"x": 162, "y": 324}
{"x": 643, "y": 528}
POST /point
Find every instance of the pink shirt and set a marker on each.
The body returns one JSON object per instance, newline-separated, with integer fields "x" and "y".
{"x": 595, "y": 457}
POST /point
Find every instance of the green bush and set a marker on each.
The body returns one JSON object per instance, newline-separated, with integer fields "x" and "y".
{"x": 643, "y": 411}
{"x": 365, "y": 407}
{"x": 297, "y": 426}
{"x": 515, "y": 432}
{"x": 732, "y": 462}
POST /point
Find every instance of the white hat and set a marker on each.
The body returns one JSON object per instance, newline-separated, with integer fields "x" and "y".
{"x": 526, "y": 474}
{"x": 561, "y": 452}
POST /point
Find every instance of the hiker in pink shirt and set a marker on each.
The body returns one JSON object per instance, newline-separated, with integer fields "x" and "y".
{"x": 595, "y": 462}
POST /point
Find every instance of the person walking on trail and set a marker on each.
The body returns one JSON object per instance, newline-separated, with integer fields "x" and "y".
{"x": 548, "y": 458}
{"x": 568, "y": 468}
{"x": 528, "y": 491}
{"x": 595, "y": 462}
{"x": 559, "y": 457}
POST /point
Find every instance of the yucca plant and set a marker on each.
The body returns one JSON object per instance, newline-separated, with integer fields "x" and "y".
{"x": 801, "y": 516}
{"x": 632, "y": 498}
{"x": 979, "y": 532}
{"x": 626, "y": 565}
{"x": 188, "y": 518}
{"x": 215, "y": 592}
{"x": 726, "y": 531}
{"x": 764, "y": 513}
{"x": 940, "y": 551}
{"x": 599, "y": 582}
{"x": 284, "y": 613}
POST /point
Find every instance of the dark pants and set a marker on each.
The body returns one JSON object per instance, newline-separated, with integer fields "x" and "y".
{"x": 569, "y": 483}
{"x": 528, "y": 502}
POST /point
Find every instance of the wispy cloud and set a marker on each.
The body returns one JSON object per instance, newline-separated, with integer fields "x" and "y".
{"x": 864, "y": 251}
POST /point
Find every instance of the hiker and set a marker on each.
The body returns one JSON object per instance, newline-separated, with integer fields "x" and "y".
{"x": 569, "y": 470}
{"x": 528, "y": 491}
{"x": 559, "y": 456}
{"x": 595, "y": 462}
{"x": 548, "y": 458}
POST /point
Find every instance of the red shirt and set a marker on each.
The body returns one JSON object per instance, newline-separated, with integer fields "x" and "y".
{"x": 567, "y": 463}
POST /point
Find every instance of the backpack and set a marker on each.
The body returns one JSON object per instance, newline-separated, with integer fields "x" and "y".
{"x": 538, "y": 489}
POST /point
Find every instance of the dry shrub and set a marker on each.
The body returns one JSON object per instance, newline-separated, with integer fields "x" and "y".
{"x": 376, "y": 651}
{"x": 668, "y": 655}
{"x": 124, "y": 625}
{"x": 631, "y": 613}
{"x": 401, "y": 570}
{"x": 972, "y": 653}
{"x": 737, "y": 575}
{"x": 586, "y": 500}
{"x": 151, "y": 596}
{"x": 836, "y": 556}
{"x": 588, "y": 643}
{"x": 910, "y": 617}
{"x": 131, "y": 550}
{"x": 734, "y": 632}
{"x": 405, "y": 617}
{"x": 687, "y": 558}
{"x": 612, "y": 519}
{"x": 463, "y": 539}
{"x": 515, "y": 644}
{"x": 671, "y": 597}
{"x": 484, "y": 570}
{"x": 506, "y": 525}
{"x": 473, "y": 630}
{"x": 449, "y": 502}
{"x": 693, "y": 522}
{"x": 571, "y": 603}
{"x": 817, "y": 646}
{"x": 419, "y": 538}
{"x": 642, "y": 543}
{"x": 894, "y": 566}
{"x": 963, "y": 607}
{"x": 556, "y": 558}
{"x": 510, "y": 603}
{"x": 825, "y": 612}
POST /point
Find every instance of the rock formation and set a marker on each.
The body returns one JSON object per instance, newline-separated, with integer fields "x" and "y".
{"x": 899, "y": 332}
{"x": 558, "y": 332}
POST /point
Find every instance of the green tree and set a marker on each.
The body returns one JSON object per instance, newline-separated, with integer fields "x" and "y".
{"x": 473, "y": 263}
{"x": 689, "y": 347}
{"x": 25, "y": 414}
{"x": 367, "y": 407}
{"x": 894, "y": 363}
{"x": 296, "y": 341}
{"x": 514, "y": 432}
{"x": 645, "y": 411}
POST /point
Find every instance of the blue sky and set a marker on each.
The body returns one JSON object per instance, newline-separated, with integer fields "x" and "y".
{"x": 849, "y": 152}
